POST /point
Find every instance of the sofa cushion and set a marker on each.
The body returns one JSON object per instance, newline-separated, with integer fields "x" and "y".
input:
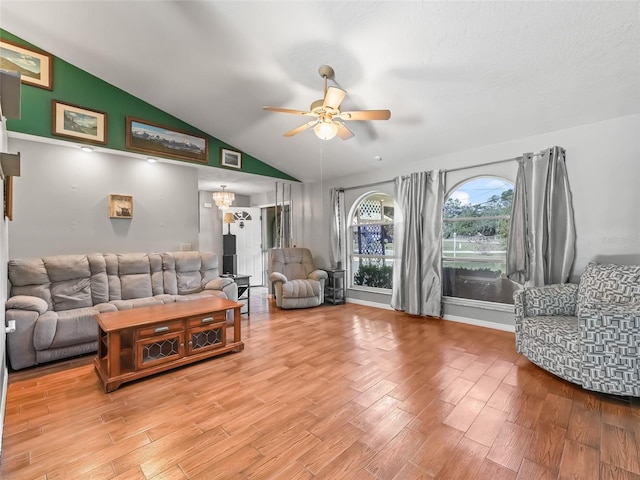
{"x": 608, "y": 284}
{"x": 136, "y": 302}
{"x": 29, "y": 277}
{"x": 99, "y": 280}
{"x": 130, "y": 275}
{"x": 62, "y": 329}
{"x": 70, "y": 278}
{"x": 185, "y": 273}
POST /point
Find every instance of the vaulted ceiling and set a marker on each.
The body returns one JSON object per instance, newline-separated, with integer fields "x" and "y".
{"x": 455, "y": 75}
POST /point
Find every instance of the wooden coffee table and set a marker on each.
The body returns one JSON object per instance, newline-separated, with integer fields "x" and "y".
{"x": 135, "y": 343}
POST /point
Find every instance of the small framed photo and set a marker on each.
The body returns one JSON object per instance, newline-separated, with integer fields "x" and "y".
{"x": 79, "y": 123}
{"x": 230, "y": 158}
{"x": 36, "y": 67}
{"x": 149, "y": 137}
{"x": 120, "y": 206}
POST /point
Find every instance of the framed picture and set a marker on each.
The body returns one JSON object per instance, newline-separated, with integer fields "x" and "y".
{"x": 36, "y": 67}
{"x": 120, "y": 206}
{"x": 230, "y": 158}
{"x": 79, "y": 123}
{"x": 152, "y": 138}
{"x": 8, "y": 197}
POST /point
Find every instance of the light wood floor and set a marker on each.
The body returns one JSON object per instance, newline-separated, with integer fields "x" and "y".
{"x": 344, "y": 392}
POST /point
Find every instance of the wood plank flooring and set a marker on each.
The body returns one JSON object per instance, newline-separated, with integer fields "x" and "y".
{"x": 334, "y": 392}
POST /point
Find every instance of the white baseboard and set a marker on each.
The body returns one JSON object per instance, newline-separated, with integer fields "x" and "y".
{"x": 480, "y": 323}
{"x": 369, "y": 304}
{"x": 450, "y": 318}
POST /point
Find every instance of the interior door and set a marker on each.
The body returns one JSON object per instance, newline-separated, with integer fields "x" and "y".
{"x": 248, "y": 231}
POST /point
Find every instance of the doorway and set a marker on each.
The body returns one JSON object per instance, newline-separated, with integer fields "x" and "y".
{"x": 248, "y": 231}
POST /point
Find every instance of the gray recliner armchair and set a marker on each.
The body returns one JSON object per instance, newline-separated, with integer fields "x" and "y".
{"x": 296, "y": 283}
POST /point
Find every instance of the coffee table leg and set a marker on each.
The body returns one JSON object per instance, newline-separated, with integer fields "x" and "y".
{"x": 236, "y": 324}
{"x": 113, "y": 365}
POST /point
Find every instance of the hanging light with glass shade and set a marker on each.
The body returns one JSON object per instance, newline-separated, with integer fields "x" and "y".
{"x": 223, "y": 199}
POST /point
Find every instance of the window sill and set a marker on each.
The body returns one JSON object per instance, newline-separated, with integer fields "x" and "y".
{"x": 466, "y": 302}
{"x": 381, "y": 291}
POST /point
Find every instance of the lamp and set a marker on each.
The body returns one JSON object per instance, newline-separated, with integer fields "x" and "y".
{"x": 223, "y": 199}
{"x": 228, "y": 219}
{"x": 325, "y": 130}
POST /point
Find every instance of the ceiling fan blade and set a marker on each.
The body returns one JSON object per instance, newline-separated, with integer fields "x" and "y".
{"x": 366, "y": 115}
{"x": 287, "y": 110}
{"x": 343, "y": 132}
{"x": 301, "y": 128}
{"x": 334, "y": 97}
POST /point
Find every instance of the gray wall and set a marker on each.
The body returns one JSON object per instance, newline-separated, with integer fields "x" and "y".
{"x": 61, "y": 202}
{"x": 603, "y": 162}
{"x": 210, "y": 220}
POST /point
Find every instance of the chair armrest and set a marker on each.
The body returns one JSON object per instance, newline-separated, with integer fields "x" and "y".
{"x": 277, "y": 277}
{"x": 27, "y": 302}
{"x": 549, "y": 300}
{"x": 318, "y": 275}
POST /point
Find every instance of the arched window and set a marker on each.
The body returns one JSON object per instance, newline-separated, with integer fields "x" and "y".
{"x": 371, "y": 241}
{"x": 474, "y": 244}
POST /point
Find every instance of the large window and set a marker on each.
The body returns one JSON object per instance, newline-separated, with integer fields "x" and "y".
{"x": 474, "y": 244}
{"x": 371, "y": 240}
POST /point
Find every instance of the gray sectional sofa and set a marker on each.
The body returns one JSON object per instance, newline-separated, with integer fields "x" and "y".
{"x": 589, "y": 333}
{"x": 53, "y": 300}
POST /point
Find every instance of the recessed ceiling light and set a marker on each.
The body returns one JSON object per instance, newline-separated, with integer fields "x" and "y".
{"x": 84, "y": 148}
{"x": 151, "y": 160}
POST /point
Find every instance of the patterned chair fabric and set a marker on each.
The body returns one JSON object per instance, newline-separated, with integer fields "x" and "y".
{"x": 588, "y": 334}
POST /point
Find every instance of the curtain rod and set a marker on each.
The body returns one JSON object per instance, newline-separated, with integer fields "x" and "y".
{"x": 537, "y": 154}
{"x": 367, "y": 185}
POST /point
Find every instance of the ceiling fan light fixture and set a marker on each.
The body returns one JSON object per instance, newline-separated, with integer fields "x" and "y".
{"x": 325, "y": 130}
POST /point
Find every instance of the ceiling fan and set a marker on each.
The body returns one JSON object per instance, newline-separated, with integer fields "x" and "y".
{"x": 326, "y": 112}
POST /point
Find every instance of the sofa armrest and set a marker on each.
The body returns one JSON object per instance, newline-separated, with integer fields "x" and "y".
{"x": 27, "y": 302}
{"x": 231, "y": 291}
{"x": 20, "y": 349}
{"x": 277, "y": 277}
{"x": 318, "y": 275}
{"x": 218, "y": 283}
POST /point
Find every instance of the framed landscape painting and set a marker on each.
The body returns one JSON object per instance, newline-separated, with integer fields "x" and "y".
{"x": 78, "y": 122}
{"x": 230, "y": 158}
{"x": 36, "y": 68}
{"x": 156, "y": 139}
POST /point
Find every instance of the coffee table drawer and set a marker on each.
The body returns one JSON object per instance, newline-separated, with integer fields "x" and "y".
{"x": 203, "y": 320}
{"x": 160, "y": 329}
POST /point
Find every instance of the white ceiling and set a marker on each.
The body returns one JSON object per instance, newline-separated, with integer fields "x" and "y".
{"x": 455, "y": 75}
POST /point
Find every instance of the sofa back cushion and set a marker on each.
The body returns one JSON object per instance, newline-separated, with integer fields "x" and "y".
{"x": 29, "y": 277}
{"x": 608, "y": 284}
{"x": 134, "y": 275}
{"x": 293, "y": 263}
{"x": 187, "y": 272}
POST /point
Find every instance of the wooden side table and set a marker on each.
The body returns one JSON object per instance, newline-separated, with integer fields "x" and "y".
{"x": 244, "y": 289}
{"x": 334, "y": 289}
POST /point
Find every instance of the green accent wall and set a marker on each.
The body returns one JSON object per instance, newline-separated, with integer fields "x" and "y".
{"x": 75, "y": 86}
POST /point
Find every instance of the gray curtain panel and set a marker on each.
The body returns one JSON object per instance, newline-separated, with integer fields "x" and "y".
{"x": 542, "y": 232}
{"x": 417, "y": 270}
{"x": 337, "y": 227}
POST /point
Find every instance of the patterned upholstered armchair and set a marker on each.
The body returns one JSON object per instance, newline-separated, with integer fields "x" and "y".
{"x": 296, "y": 282}
{"x": 589, "y": 333}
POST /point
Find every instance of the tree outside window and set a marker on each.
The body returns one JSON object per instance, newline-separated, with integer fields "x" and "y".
{"x": 474, "y": 244}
